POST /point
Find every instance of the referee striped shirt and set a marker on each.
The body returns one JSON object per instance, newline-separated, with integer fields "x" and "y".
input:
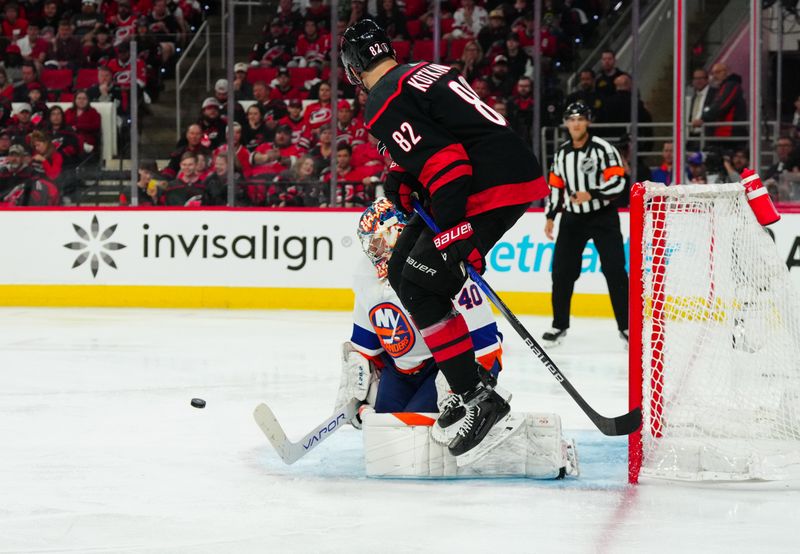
{"x": 595, "y": 168}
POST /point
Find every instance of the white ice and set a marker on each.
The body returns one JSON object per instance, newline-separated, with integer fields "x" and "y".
{"x": 100, "y": 450}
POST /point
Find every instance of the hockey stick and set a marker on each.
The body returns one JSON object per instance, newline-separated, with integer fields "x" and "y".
{"x": 612, "y": 426}
{"x": 290, "y": 451}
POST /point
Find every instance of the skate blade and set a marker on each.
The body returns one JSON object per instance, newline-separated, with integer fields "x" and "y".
{"x": 501, "y": 431}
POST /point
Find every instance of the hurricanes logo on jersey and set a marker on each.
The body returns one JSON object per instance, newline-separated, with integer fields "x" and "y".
{"x": 393, "y": 328}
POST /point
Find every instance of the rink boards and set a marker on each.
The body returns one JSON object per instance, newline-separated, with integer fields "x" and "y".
{"x": 266, "y": 259}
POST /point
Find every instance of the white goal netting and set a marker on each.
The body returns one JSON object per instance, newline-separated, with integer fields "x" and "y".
{"x": 721, "y": 340}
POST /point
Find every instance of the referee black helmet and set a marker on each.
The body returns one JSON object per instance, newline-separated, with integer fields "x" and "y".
{"x": 578, "y": 108}
{"x": 363, "y": 45}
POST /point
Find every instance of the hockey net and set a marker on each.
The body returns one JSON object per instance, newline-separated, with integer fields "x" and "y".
{"x": 715, "y": 339}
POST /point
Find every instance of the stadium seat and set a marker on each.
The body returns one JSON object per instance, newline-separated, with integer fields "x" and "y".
{"x": 415, "y": 8}
{"x": 456, "y": 48}
{"x": 86, "y": 78}
{"x": 447, "y": 25}
{"x": 423, "y": 50}
{"x": 66, "y": 97}
{"x": 266, "y": 74}
{"x": 414, "y": 27}
{"x": 299, "y": 75}
{"x": 401, "y": 49}
{"x": 56, "y": 81}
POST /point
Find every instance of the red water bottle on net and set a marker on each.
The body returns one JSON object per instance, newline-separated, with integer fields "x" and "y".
{"x": 758, "y": 198}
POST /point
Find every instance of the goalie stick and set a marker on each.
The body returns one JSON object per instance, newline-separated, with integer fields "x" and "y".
{"x": 612, "y": 426}
{"x": 290, "y": 451}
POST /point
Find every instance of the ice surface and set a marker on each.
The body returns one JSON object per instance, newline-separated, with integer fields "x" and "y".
{"x": 100, "y": 450}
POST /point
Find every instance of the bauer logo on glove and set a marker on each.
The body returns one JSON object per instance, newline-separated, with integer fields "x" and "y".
{"x": 457, "y": 245}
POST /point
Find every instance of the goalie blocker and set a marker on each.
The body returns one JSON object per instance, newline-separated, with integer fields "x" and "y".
{"x": 400, "y": 445}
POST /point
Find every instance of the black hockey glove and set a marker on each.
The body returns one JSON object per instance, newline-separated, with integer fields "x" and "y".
{"x": 398, "y": 192}
{"x": 458, "y": 245}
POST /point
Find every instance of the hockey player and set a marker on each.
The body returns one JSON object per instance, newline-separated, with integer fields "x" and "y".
{"x": 478, "y": 177}
{"x": 385, "y": 363}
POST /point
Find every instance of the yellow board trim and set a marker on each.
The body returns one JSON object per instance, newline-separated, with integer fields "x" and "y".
{"x": 135, "y": 296}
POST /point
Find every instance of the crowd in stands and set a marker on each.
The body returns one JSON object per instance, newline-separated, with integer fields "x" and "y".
{"x": 76, "y": 52}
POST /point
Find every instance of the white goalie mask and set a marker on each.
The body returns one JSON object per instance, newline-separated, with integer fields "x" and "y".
{"x": 378, "y": 230}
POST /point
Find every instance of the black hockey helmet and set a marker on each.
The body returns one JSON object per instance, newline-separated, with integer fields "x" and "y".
{"x": 363, "y": 44}
{"x": 578, "y": 108}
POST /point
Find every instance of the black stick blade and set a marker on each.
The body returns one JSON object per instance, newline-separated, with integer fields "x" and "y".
{"x": 618, "y": 426}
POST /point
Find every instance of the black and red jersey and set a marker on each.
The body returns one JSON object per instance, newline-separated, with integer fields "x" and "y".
{"x": 464, "y": 153}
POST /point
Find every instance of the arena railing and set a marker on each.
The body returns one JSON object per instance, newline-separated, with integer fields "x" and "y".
{"x": 201, "y": 43}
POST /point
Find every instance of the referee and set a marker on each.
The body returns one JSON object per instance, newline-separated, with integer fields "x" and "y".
{"x": 586, "y": 176}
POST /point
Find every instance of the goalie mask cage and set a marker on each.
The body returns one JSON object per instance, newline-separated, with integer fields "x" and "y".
{"x": 714, "y": 339}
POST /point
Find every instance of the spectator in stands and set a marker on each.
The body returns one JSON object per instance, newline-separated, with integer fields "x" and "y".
{"x": 283, "y": 89}
{"x": 12, "y": 62}
{"x": 14, "y": 26}
{"x": 787, "y": 158}
{"x": 696, "y": 170}
{"x": 211, "y": 123}
{"x": 617, "y": 109}
{"x": 312, "y": 46}
{"x": 105, "y": 90}
{"x": 86, "y": 122}
{"x": 99, "y": 50}
{"x": 6, "y": 88}
{"x": 319, "y": 12}
{"x": 185, "y": 186}
{"x": 289, "y": 18}
{"x": 242, "y": 155}
{"x": 663, "y": 173}
{"x": 323, "y": 150}
{"x": 521, "y": 109}
{"x": 275, "y": 48}
{"x": 29, "y": 76}
{"x": 64, "y": 137}
{"x": 735, "y": 164}
{"x": 296, "y": 182}
{"x": 38, "y": 105}
{"x": 483, "y": 90}
{"x": 192, "y": 142}
{"x": 367, "y": 157}
{"x": 468, "y": 20}
{"x": 123, "y": 23}
{"x": 121, "y": 69}
{"x": 347, "y": 129}
{"x": 254, "y": 131}
{"x": 318, "y": 114}
{"x": 700, "y": 98}
{"x": 21, "y": 125}
{"x": 519, "y": 63}
{"x": 14, "y": 172}
{"x": 150, "y": 182}
{"x": 495, "y": 33}
{"x": 358, "y": 12}
{"x": 215, "y": 184}
{"x": 51, "y": 15}
{"x": 604, "y": 85}
{"x": 169, "y": 30}
{"x": 46, "y": 159}
{"x": 301, "y": 136}
{"x": 350, "y": 186}
{"x": 586, "y": 94}
{"x": 88, "y": 20}
{"x": 472, "y": 58}
{"x": 32, "y": 47}
{"x": 500, "y": 82}
{"x": 5, "y": 144}
{"x": 270, "y": 159}
{"x": 221, "y": 95}
{"x": 359, "y": 104}
{"x": 67, "y": 49}
{"x": 242, "y": 90}
{"x": 273, "y": 110}
{"x": 727, "y": 105}
{"x": 642, "y": 171}
{"x": 391, "y": 19}
{"x": 795, "y": 129}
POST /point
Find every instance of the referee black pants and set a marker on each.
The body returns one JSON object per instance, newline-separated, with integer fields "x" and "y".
{"x": 574, "y": 232}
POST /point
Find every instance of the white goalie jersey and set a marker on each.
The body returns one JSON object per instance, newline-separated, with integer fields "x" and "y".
{"x": 381, "y": 323}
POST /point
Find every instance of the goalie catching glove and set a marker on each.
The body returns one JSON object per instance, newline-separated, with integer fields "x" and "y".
{"x": 359, "y": 380}
{"x": 458, "y": 245}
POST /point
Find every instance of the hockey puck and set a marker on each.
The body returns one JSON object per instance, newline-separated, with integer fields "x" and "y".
{"x": 198, "y": 403}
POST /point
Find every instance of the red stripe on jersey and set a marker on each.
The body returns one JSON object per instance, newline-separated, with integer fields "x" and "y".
{"x": 506, "y": 195}
{"x": 453, "y": 351}
{"x": 441, "y": 159}
{"x": 448, "y": 338}
{"x": 394, "y": 94}
{"x": 451, "y": 175}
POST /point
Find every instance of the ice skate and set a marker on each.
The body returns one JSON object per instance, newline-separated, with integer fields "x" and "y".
{"x": 554, "y": 337}
{"x": 485, "y": 409}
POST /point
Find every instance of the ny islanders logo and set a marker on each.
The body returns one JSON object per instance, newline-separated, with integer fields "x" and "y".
{"x": 393, "y": 328}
